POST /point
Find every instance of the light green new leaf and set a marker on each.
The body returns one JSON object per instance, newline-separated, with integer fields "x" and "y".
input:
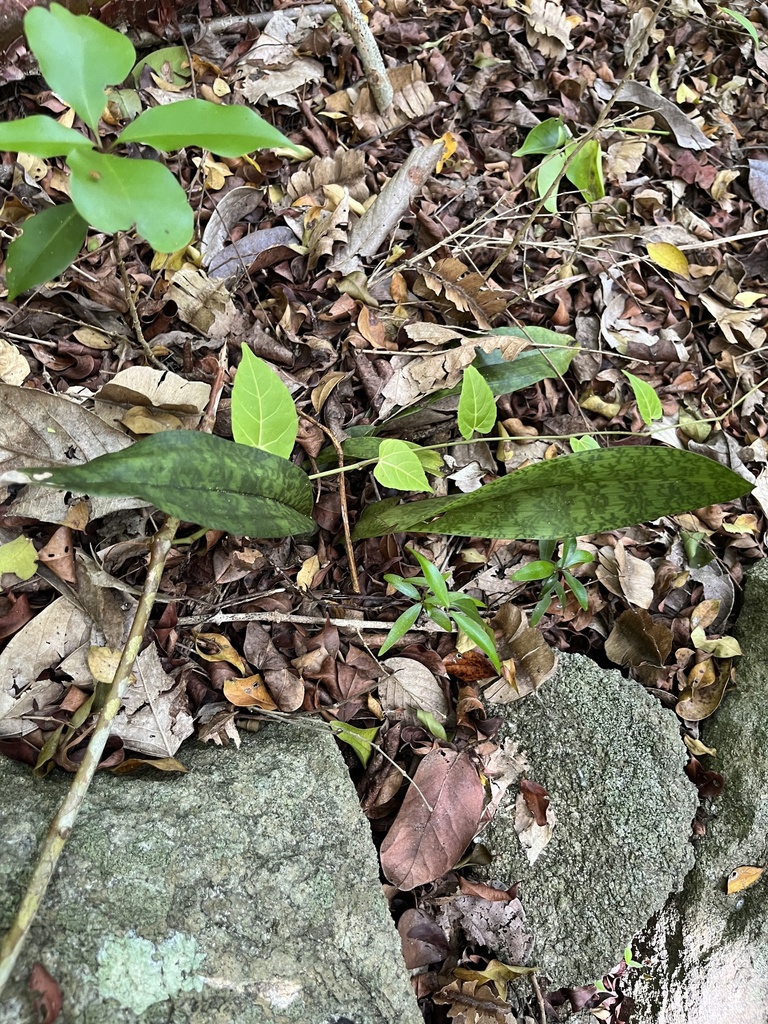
{"x": 585, "y": 443}
{"x": 585, "y": 170}
{"x": 263, "y": 413}
{"x": 361, "y": 740}
{"x": 540, "y": 570}
{"x": 41, "y": 136}
{"x": 228, "y": 131}
{"x": 78, "y": 57}
{"x": 400, "y": 627}
{"x": 19, "y": 557}
{"x": 114, "y": 193}
{"x": 648, "y": 402}
{"x": 362, "y": 448}
{"x": 431, "y": 724}
{"x": 545, "y": 138}
{"x": 49, "y": 242}
{"x": 477, "y": 408}
{"x": 570, "y": 496}
{"x": 434, "y": 578}
{"x": 549, "y": 171}
{"x": 399, "y": 467}
{"x": 745, "y": 23}
{"x": 202, "y": 479}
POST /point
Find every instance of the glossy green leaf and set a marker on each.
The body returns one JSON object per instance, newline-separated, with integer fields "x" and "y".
{"x": 361, "y": 740}
{"x": 544, "y": 138}
{"x": 439, "y": 617}
{"x": 402, "y": 586}
{"x": 78, "y": 57}
{"x": 477, "y": 408}
{"x": 431, "y": 724}
{"x": 586, "y": 443}
{"x": 648, "y": 402}
{"x": 41, "y": 136}
{"x": 114, "y": 193}
{"x": 399, "y": 467}
{"x": 48, "y": 244}
{"x": 434, "y": 578}
{"x": 572, "y": 495}
{"x": 202, "y": 479}
{"x": 478, "y": 633}
{"x": 540, "y": 570}
{"x": 400, "y": 627}
{"x": 176, "y": 57}
{"x": 577, "y": 588}
{"x": 550, "y": 169}
{"x": 263, "y": 412}
{"x": 226, "y": 130}
{"x": 585, "y": 170}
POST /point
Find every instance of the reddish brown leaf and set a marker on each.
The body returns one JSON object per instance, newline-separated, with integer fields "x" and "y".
{"x": 49, "y": 998}
{"x": 423, "y": 844}
{"x": 283, "y": 683}
{"x": 536, "y": 800}
{"x": 469, "y": 667}
{"x": 487, "y": 892}
{"x": 422, "y": 939}
{"x": 16, "y": 617}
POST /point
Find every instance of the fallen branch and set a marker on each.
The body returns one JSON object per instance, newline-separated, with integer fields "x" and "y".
{"x": 370, "y": 55}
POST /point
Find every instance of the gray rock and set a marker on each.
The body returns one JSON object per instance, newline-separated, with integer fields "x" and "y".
{"x": 612, "y": 762}
{"x": 708, "y": 951}
{"x": 247, "y": 890}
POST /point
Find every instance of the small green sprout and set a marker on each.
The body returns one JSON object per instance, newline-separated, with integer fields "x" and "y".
{"x": 555, "y": 576}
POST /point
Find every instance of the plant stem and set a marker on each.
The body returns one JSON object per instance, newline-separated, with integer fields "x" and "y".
{"x": 64, "y": 821}
{"x": 370, "y": 55}
{"x": 135, "y": 322}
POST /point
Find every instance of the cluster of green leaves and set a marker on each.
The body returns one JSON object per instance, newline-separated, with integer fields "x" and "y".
{"x": 446, "y": 608}
{"x": 580, "y": 161}
{"x": 79, "y": 57}
{"x": 556, "y": 576}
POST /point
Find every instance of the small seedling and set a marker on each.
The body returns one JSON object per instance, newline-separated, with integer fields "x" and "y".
{"x": 555, "y": 576}
{"x": 79, "y": 57}
{"x": 446, "y": 608}
{"x": 581, "y": 164}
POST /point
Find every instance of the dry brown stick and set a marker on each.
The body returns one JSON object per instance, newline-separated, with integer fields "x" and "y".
{"x": 231, "y": 22}
{"x": 342, "y": 499}
{"x": 61, "y": 827}
{"x": 135, "y": 322}
{"x": 370, "y": 54}
{"x": 539, "y": 998}
{"x": 354, "y": 625}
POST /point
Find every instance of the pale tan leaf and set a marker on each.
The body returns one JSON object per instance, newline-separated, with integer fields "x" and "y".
{"x": 411, "y": 687}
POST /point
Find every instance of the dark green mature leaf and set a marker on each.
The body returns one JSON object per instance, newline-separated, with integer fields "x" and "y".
{"x": 49, "y": 242}
{"x": 78, "y": 57}
{"x": 114, "y": 193}
{"x": 41, "y": 136}
{"x": 544, "y": 138}
{"x": 572, "y": 495}
{"x": 227, "y": 131}
{"x": 201, "y": 479}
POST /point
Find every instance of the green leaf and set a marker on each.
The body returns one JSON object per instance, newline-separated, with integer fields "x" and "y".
{"x": 477, "y": 408}
{"x": 226, "y": 130}
{"x": 175, "y": 56}
{"x": 478, "y": 633}
{"x": 545, "y": 138}
{"x": 361, "y": 740}
{"x": 572, "y": 495}
{"x": 439, "y": 617}
{"x": 202, "y": 479}
{"x": 549, "y": 171}
{"x": 585, "y": 170}
{"x": 431, "y": 724}
{"x": 400, "y": 627}
{"x": 399, "y": 467}
{"x": 648, "y": 402}
{"x": 49, "y": 242}
{"x": 263, "y": 413}
{"x": 361, "y": 448}
{"x": 586, "y": 443}
{"x": 78, "y": 57}
{"x": 41, "y": 136}
{"x": 404, "y": 587}
{"x": 114, "y": 193}
{"x": 541, "y": 570}
{"x": 542, "y": 606}
{"x": 19, "y": 557}
{"x": 578, "y": 589}
{"x": 434, "y": 578}
{"x": 745, "y": 23}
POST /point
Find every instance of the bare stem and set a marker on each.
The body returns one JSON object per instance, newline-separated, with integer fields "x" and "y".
{"x": 64, "y": 821}
{"x": 370, "y": 55}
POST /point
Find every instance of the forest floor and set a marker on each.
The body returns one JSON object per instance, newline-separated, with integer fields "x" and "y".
{"x": 660, "y": 276}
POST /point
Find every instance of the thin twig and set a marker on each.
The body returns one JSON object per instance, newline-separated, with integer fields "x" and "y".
{"x": 136, "y": 323}
{"x": 368, "y": 50}
{"x": 236, "y": 22}
{"x": 342, "y": 499}
{"x": 539, "y": 998}
{"x": 64, "y": 821}
{"x": 220, "y": 618}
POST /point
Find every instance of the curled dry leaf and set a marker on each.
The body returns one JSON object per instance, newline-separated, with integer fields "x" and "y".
{"x": 473, "y": 1003}
{"x": 155, "y": 719}
{"x": 742, "y": 878}
{"x": 425, "y": 842}
{"x": 496, "y": 924}
{"x": 533, "y": 837}
{"x": 536, "y": 800}
{"x": 282, "y": 681}
{"x": 49, "y": 1001}
{"x": 411, "y": 687}
{"x": 162, "y": 389}
{"x": 423, "y": 941}
{"x": 626, "y": 575}
{"x": 704, "y": 691}
{"x": 527, "y": 659}
{"x": 248, "y": 693}
{"x": 637, "y": 640}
